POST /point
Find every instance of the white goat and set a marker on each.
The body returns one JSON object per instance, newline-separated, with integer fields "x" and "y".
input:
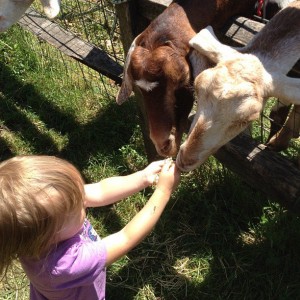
{"x": 12, "y": 10}
{"x": 233, "y": 93}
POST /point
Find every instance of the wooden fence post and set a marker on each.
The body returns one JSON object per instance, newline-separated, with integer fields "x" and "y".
{"x": 131, "y": 24}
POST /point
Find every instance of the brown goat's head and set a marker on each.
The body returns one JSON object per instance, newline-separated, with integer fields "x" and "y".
{"x": 164, "y": 82}
{"x": 158, "y": 66}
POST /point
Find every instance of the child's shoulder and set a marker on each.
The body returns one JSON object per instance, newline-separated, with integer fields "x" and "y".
{"x": 88, "y": 232}
{"x": 80, "y": 250}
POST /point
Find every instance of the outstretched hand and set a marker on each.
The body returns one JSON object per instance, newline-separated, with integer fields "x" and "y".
{"x": 152, "y": 170}
{"x": 169, "y": 177}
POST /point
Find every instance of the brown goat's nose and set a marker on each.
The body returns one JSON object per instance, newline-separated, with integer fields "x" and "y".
{"x": 167, "y": 148}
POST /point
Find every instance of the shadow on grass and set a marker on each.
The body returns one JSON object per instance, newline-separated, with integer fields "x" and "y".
{"x": 106, "y": 133}
{"x": 215, "y": 244}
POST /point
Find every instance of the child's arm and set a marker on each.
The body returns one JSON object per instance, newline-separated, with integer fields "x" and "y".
{"x": 113, "y": 189}
{"x": 139, "y": 227}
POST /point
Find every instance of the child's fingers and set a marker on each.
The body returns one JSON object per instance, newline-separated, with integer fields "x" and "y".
{"x": 155, "y": 181}
{"x": 160, "y": 162}
{"x": 168, "y": 162}
{"x": 166, "y": 168}
{"x": 157, "y": 165}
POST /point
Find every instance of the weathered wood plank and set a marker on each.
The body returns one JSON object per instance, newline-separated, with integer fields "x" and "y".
{"x": 263, "y": 169}
{"x": 125, "y": 18}
{"x": 240, "y": 30}
{"x": 71, "y": 45}
{"x": 150, "y": 9}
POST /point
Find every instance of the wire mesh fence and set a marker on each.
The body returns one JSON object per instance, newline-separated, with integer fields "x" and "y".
{"x": 93, "y": 24}
{"x": 270, "y": 129}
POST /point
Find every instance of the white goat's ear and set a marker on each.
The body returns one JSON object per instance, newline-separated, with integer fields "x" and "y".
{"x": 208, "y": 44}
{"x": 199, "y": 63}
{"x": 287, "y": 89}
{"x": 51, "y": 8}
{"x": 127, "y": 83}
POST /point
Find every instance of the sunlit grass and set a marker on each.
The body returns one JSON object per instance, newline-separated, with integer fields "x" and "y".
{"x": 217, "y": 239}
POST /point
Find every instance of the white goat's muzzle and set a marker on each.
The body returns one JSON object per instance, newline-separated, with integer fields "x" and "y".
{"x": 11, "y": 11}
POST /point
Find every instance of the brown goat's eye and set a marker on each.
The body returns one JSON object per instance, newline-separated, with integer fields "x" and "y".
{"x": 169, "y": 43}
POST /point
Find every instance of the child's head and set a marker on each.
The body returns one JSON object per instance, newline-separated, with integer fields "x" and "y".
{"x": 39, "y": 195}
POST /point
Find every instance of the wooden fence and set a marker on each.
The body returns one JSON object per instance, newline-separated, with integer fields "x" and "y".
{"x": 250, "y": 159}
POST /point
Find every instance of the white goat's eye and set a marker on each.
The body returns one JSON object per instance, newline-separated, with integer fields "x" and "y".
{"x": 148, "y": 86}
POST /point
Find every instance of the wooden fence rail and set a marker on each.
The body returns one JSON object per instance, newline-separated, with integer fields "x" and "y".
{"x": 71, "y": 45}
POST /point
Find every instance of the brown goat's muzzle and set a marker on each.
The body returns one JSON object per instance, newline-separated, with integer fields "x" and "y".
{"x": 167, "y": 148}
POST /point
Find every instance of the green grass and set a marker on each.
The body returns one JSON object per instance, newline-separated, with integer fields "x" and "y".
{"x": 217, "y": 239}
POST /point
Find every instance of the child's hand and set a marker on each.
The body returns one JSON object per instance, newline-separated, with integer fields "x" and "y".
{"x": 150, "y": 173}
{"x": 169, "y": 177}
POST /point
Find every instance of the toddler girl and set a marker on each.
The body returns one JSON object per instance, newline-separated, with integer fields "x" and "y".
{"x": 43, "y": 223}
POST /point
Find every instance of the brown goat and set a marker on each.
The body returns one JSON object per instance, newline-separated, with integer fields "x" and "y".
{"x": 158, "y": 64}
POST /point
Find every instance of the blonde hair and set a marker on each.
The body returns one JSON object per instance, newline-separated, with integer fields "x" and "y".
{"x": 36, "y": 195}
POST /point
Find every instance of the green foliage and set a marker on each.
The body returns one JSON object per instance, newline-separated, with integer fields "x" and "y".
{"x": 218, "y": 238}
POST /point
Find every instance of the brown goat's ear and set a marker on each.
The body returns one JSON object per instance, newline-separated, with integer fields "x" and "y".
{"x": 125, "y": 90}
{"x": 127, "y": 83}
{"x": 51, "y": 8}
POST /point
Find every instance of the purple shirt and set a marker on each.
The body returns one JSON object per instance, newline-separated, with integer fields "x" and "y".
{"x": 75, "y": 269}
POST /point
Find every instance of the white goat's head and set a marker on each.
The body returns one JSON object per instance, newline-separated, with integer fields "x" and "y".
{"x": 230, "y": 96}
{"x": 12, "y": 10}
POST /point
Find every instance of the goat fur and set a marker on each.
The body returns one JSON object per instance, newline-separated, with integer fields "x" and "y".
{"x": 11, "y": 10}
{"x": 233, "y": 93}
